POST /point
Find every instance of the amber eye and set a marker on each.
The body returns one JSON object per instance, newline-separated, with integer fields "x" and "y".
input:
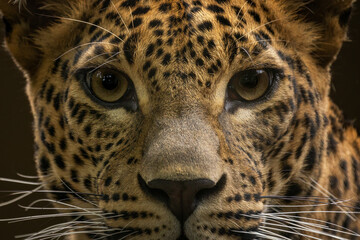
{"x": 107, "y": 85}
{"x": 249, "y": 85}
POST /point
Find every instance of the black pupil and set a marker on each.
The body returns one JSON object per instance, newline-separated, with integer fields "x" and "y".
{"x": 110, "y": 82}
{"x": 250, "y": 81}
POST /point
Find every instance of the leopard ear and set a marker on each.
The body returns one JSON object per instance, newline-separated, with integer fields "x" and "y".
{"x": 22, "y": 20}
{"x": 331, "y": 18}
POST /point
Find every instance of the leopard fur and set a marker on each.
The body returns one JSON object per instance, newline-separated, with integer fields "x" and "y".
{"x": 283, "y": 166}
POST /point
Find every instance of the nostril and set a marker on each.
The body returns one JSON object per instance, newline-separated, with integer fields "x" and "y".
{"x": 181, "y": 196}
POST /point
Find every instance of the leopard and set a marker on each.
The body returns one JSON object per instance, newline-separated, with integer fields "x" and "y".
{"x": 188, "y": 119}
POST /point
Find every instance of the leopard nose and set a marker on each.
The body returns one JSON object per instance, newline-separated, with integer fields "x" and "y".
{"x": 181, "y": 194}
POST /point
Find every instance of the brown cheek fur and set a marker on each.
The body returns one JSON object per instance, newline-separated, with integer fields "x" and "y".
{"x": 290, "y": 148}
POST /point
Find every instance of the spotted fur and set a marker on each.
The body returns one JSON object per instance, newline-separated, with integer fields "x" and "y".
{"x": 285, "y": 167}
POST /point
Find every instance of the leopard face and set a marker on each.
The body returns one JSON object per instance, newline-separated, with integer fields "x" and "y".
{"x": 189, "y": 119}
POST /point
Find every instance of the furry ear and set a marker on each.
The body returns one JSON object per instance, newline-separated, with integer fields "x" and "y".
{"x": 330, "y": 18}
{"x": 22, "y": 20}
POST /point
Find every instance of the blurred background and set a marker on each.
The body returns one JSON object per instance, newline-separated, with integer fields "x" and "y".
{"x": 16, "y": 141}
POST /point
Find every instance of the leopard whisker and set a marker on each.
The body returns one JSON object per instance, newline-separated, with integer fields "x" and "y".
{"x": 321, "y": 226}
{"x": 19, "y": 181}
{"x": 120, "y": 15}
{"x": 276, "y": 220}
{"x": 86, "y": 200}
{"x": 82, "y": 45}
{"x": 60, "y": 226}
{"x": 263, "y": 25}
{"x": 247, "y": 232}
{"x": 18, "y": 192}
{"x": 54, "y": 215}
{"x": 59, "y": 235}
{"x": 313, "y": 211}
{"x": 276, "y": 236}
{"x": 247, "y": 53}
{"x": 309, "y": 205}
{"x": 96, "y": 56}
{"x": 24, "y": 195}
{"x": 308, "y": 228}
{"x": 27, "y": 176}
{"x": 84, "y": 22}
{"x": 61, "y": 203}
{"x": 110, "y": 235}
{"x": 287, "y": 231}
{"x": 107, "y": 62}
{"x": 52, "y": 208}
{"x": 56, "y": 230}
{"x": 323, "y": 191}
{"x": 237, "y": 15}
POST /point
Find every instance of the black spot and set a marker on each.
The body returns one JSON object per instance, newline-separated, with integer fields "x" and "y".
{"x": 205, "y": 26}
{"x": 150, "y": 50}
{"x": 108, "y": 181}
{"x": 87, "y": 130}
{"x": 199, "y": 62}
{"x": 56, "y": 102}
{"x": 56, "y": 66}
{"x": 105, "y": 5}
{"x": 293, "y": 189}
{"x": 65, "y": 70}
{"x": 166, "y": 59}
{"x": 155, "y": 23}
{"x": 310, "y": 159}
{"x": 165, "y": 7}
{"x": 135, "y": 23}
{"x": 247, "y": 197}
{"x": 63, "y": 144}
{"x": 93, "y": 26}
{"x": 130, "y": 3}
{"x": 301, "y": 146}
{"x": 215, "y": 8}
{"x": 152, "y": 73}
{"x": 74, "y": 176}
{"x": 206, "y": 53}
{"x": 159, "y": 52}
{"x": 222, "y": 20}
{"x": 44, "y": 165}
{"x": 255, "y": 16}
{"x": 87, "y": 183}
{"x": 222, "y": 1}
{"x": 343, "y": 166}
{"x": 125, "y": 197}
{"x": 60, "y": 162}
{"x": 78, "y": 160}
{"x": 130, "y": 47}
{"x": 158, "y": 32}
{"x": 140, "y": 11}
{"x": 200, "y": 39}
{"x": 333, "y": 181}
{"x": 81, "y": 116}
{"x": 332, "y": 144}
{"x": 49, "y": 93}
{"x": 211, "y": 44}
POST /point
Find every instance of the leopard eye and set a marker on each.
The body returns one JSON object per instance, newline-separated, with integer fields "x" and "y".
{"x": 250, "y": 85}
{"x": 107, "y": 85}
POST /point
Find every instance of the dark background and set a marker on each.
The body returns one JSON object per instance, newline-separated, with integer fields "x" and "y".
{"x": 16, "y": 140}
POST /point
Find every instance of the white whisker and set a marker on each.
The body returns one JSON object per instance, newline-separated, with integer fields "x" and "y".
{"x": 120, "y": 16}
{"x": 21, "y": 197}
{"x": 82, "y": 45}
{"x": 81, "y": 21}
